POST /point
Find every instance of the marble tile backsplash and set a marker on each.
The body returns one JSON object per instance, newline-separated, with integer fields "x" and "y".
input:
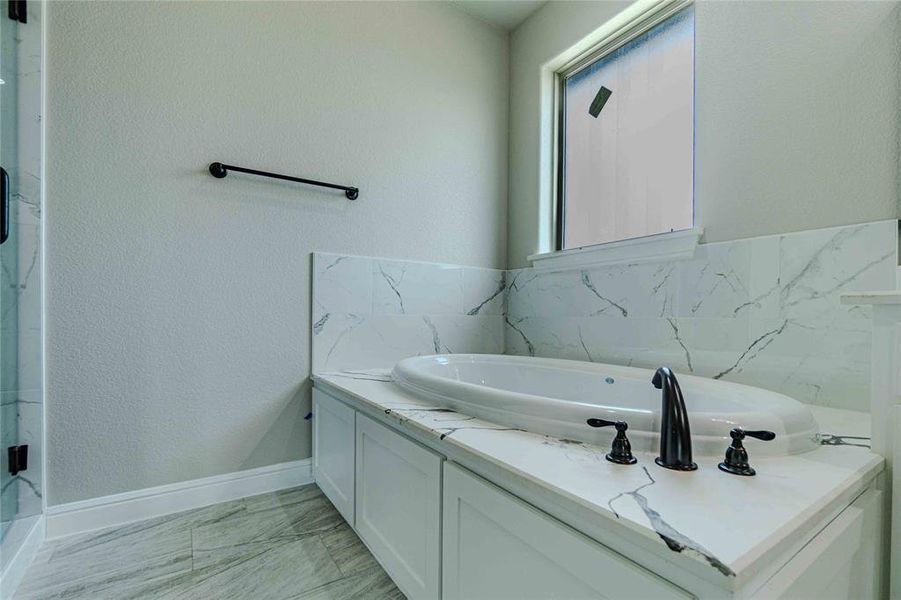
{"x": 762, "y": 311}
{"x": 370, "y": 312}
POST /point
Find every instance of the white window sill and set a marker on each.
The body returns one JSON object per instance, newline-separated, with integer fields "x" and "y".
{"x": 673, "y": 245}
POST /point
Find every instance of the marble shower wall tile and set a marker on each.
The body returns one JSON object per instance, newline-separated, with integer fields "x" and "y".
{"x": 370, "y": 313}
{"x": 763, "y": 311}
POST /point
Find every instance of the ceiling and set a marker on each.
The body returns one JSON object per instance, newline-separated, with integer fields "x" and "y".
{"x": 503, "y": 14}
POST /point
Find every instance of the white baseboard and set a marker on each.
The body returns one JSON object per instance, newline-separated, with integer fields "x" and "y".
{"x": 22, "y": 559}
{"x": 107, "y": 511}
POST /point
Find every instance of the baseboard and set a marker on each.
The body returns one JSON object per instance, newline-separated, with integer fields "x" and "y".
{"x": 22, "y": 559}
{"x": 107, "y": 511}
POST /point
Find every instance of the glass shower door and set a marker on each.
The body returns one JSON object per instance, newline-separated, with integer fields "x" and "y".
{"x": 21, "y": 382}
{"x": 9, "y": 154}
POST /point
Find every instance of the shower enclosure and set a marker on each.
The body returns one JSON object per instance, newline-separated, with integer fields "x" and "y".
{"x": 21, "y": 397}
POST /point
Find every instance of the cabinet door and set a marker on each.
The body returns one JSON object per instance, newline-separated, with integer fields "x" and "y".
{"x": 841, "y": 562}
{"x": 399, "y": 507}
{"x": 333, "y": 452}
{"x": 497, "y": 546}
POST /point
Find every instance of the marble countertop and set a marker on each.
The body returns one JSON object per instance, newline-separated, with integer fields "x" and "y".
{"x": 727, "y": 528}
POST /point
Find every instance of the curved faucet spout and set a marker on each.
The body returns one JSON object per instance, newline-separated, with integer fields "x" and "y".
{"x": 675, "y": 433}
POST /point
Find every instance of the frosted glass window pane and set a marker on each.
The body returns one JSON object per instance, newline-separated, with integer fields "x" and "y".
{"x": 629, "y": 172}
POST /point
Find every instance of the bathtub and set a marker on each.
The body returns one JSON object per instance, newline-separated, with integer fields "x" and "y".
{"x": 556, "y": 397}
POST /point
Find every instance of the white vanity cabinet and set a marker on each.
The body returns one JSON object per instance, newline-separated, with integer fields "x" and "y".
{"x": 398, "y": 507}
{"x": 443, "y": 532}
{"x": 841, "y": 562}
{"x": 333, "y": 452}
{"x": 497, "y": 546}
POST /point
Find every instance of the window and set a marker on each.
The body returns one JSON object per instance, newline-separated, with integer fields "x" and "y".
{"x": 626, "y": 136}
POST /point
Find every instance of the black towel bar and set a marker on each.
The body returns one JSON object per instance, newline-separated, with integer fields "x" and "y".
{"x": 219, "y": 170}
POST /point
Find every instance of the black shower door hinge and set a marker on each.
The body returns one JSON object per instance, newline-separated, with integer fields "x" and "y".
{"x": 18, "y": 11}
{"x": 17, "y": 458}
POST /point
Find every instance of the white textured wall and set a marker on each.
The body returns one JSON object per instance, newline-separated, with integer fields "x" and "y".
{"x": 798, "y": 110}
{"x": 178, "y": 305}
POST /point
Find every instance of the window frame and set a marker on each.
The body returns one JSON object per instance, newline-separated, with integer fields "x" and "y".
{"x": 642, "y": 23}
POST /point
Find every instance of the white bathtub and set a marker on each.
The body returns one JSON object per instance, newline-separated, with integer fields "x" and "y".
{"x": 556, "y": 397}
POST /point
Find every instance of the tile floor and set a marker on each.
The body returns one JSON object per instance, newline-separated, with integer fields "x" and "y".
{"x": 291, "y": 544}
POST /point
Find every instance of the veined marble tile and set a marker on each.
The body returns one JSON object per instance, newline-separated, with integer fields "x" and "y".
{"x": 373, "y": 312}
{"x": 763, "y": 311}
{"x": 483, "y": 291}
{"x": 334, "y": 341}
{"x": 646, "y": 290}
{"x": 717, "y": 281}
{"x": 343, "y": 284}
{"x": 413, "y": 288}
{"x": 818, "y": 365}
{"x": 634, "y": 291}
{"x": 532, "y": 293}
{"x": 816, "y": 266}
{"x": 349, "y": 341}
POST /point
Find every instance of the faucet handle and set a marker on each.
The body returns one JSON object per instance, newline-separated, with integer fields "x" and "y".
{"x": 621, "y": 451}
{"x": 760, "y": 434}
{"x": 736, "y": 461}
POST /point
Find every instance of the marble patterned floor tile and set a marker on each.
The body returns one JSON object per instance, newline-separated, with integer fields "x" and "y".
{"x": 185, "y": 584}
{"x": 87, "y": 579}
{"x": 311, "y": 516}
{"x": 136, "y": 535}
{"x": 280, "y": 572}
{"x": 370, "y": 584}
{"x": 222, "y": 556}
{"x": 281, "y": 498}
{"x": 166, "y": 587}
{"x": 346, "y": 549}
{"x": 287, "y": 544}
{"x": 95, "y": 560}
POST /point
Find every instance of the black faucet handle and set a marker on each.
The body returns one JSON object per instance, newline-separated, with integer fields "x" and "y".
{"x": 605, "y": 423}
{"x": 736, "y": 461}
{"x": 760, "y": 434}
{"x": 621, "y": 451}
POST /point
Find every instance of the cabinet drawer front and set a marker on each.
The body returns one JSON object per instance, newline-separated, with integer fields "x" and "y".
{"x": 399, "y": 507}
{"x": 333, "y": 452}
{"x": 497, "y": 546}
{"x": 839, "y": 563}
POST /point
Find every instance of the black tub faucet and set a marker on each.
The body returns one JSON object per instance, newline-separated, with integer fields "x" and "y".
{"x": 675, "y": 434}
